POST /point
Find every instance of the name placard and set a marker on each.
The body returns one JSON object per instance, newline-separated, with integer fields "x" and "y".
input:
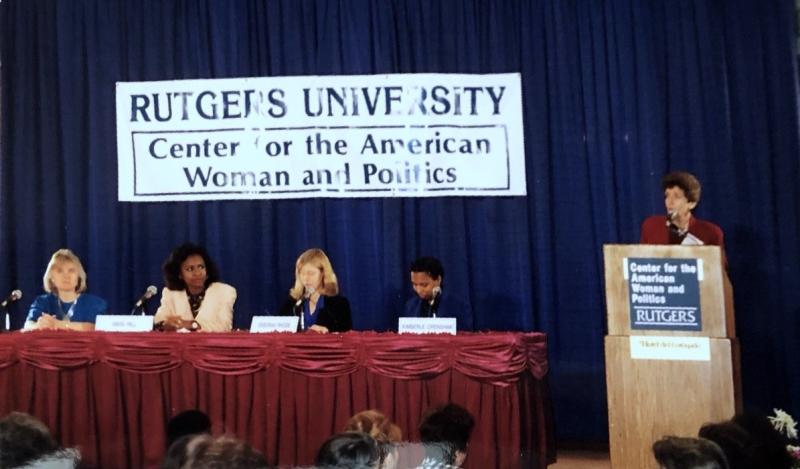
{"x": 653, "y": 347}
{"x": 664, "y": 294}
{"x": 427, "y": 326}
{"x": 123, "y": 323}
{"x": 274, "y": 324}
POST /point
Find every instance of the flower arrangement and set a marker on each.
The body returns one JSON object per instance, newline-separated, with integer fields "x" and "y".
{"x": 786, "y": 425}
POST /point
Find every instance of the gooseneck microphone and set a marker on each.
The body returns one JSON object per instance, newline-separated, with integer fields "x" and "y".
{"x": 434, "y": 301}
{"x": 151, "y": 290}
{"x": 12, "y": 297}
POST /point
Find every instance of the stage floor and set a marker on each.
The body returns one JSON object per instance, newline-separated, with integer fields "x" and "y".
{"x": 582, "y": 459}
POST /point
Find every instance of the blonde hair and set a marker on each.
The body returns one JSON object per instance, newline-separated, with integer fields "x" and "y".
{"x": 375, "y": 424}
{"x": 63, "y": 255}
{"x": 317, "y": 258}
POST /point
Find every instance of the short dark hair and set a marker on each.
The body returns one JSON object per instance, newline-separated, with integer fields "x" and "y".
{"x": 749, "y": 441}
{"x": 448, "y": 423}
{"x": 686, "y": 181}
{"x": 172, "y": 266}
{"x": 24, "y": 438}
{"x": 673, "y": 452}
{"x": 354, "y": 450}
{"x": 188, "y": 422}
{"x": 429, "y": 265}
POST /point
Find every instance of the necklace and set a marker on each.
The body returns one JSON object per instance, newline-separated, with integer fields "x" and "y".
{"x": 195, "y": 301}
{"x": 70, "y": 312}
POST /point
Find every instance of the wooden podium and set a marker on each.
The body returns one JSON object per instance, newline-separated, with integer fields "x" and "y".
{"x": 668, "y": 393}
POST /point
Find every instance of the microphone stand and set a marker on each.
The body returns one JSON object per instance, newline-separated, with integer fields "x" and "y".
{"x": 298, "y": 311}
{"x": 6, "y": 323}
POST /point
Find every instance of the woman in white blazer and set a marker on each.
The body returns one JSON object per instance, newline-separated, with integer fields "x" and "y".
{"x": 194, "y": 298}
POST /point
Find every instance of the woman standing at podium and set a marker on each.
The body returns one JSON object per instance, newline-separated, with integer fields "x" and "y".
{"x": 194, "y": 298}
{"x": 65, "y": 305}
{"x": 315, "y": 296}
{"x": 679, "y": 225}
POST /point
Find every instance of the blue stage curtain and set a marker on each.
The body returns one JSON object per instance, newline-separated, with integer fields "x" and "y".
{"x": 616, "y": 93}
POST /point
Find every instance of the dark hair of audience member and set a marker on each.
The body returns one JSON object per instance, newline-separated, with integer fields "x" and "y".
{"x": 750, "y": 442}
{"x": 769, "y": 443}
{"x": 673, "y": 452}
{"x": 225, "y": 452}
{"x": 24, "y": 438}
{"x": 429, "y": 265}
{"x": 450, "y": 424}
{"x": 172, "y": 266}
{"x": 351, "y": 450}
{"x": 188, "y": 422}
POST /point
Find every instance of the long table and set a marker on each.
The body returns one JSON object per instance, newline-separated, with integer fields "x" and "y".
{"x": 111, "y": 394}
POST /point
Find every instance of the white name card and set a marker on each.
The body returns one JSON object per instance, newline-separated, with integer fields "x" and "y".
{"x": 427, "y": 326}
{"x": 653, "y": 347}
{"x": 274, "y": 324}
{"x": 120, "y": 323}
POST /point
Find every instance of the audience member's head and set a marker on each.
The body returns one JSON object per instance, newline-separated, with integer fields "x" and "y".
{"x": 177, "y": 453}
{"x": 673, "y": 452}
{"x": 734, "y": 441}
{"x": 188, "y": 422}
{"x": 449, "y": 424}
{"x": 376, "y": 425}
{"x": 23, "y": 438}
{"x": 226, "y": 452}
{"x": 749, "y": 442}
{"x": 351, "y": 450}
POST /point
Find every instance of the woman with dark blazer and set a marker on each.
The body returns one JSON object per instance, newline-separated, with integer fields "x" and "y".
{"x": 315, "y": 296}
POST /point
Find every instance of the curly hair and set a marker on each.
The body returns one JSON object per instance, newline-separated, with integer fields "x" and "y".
{"x": 376, "y": 425}
{"x": 172, "y": 266}
{"x": 686, "y": 181}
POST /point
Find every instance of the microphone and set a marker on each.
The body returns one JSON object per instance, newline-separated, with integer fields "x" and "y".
{"x": 434, "y": 304}
{"x": 151, "y": 290}
{"x": 12, "y": 297}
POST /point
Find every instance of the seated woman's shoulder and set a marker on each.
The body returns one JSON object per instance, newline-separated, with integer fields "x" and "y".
{"x": 222, "y": 287}
{"x": 338, "y": 299}
{"x": 94, "y": 300}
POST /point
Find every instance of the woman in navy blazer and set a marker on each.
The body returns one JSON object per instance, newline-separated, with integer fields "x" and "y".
{"x": 315, "y": 295}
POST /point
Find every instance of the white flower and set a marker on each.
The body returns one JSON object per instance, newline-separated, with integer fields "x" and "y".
{"x": 784, "y": 423}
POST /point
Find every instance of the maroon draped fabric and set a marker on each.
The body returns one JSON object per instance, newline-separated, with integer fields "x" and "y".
{"x": 112, "y": 394}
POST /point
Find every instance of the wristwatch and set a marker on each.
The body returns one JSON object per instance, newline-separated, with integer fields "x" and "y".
{"x": 195, "y": 325}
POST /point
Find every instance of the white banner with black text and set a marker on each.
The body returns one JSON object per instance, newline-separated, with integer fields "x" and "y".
{"x": 407, "y": 135}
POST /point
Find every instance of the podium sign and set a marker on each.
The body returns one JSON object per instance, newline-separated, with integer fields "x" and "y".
{"x": 664, "y": 294}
